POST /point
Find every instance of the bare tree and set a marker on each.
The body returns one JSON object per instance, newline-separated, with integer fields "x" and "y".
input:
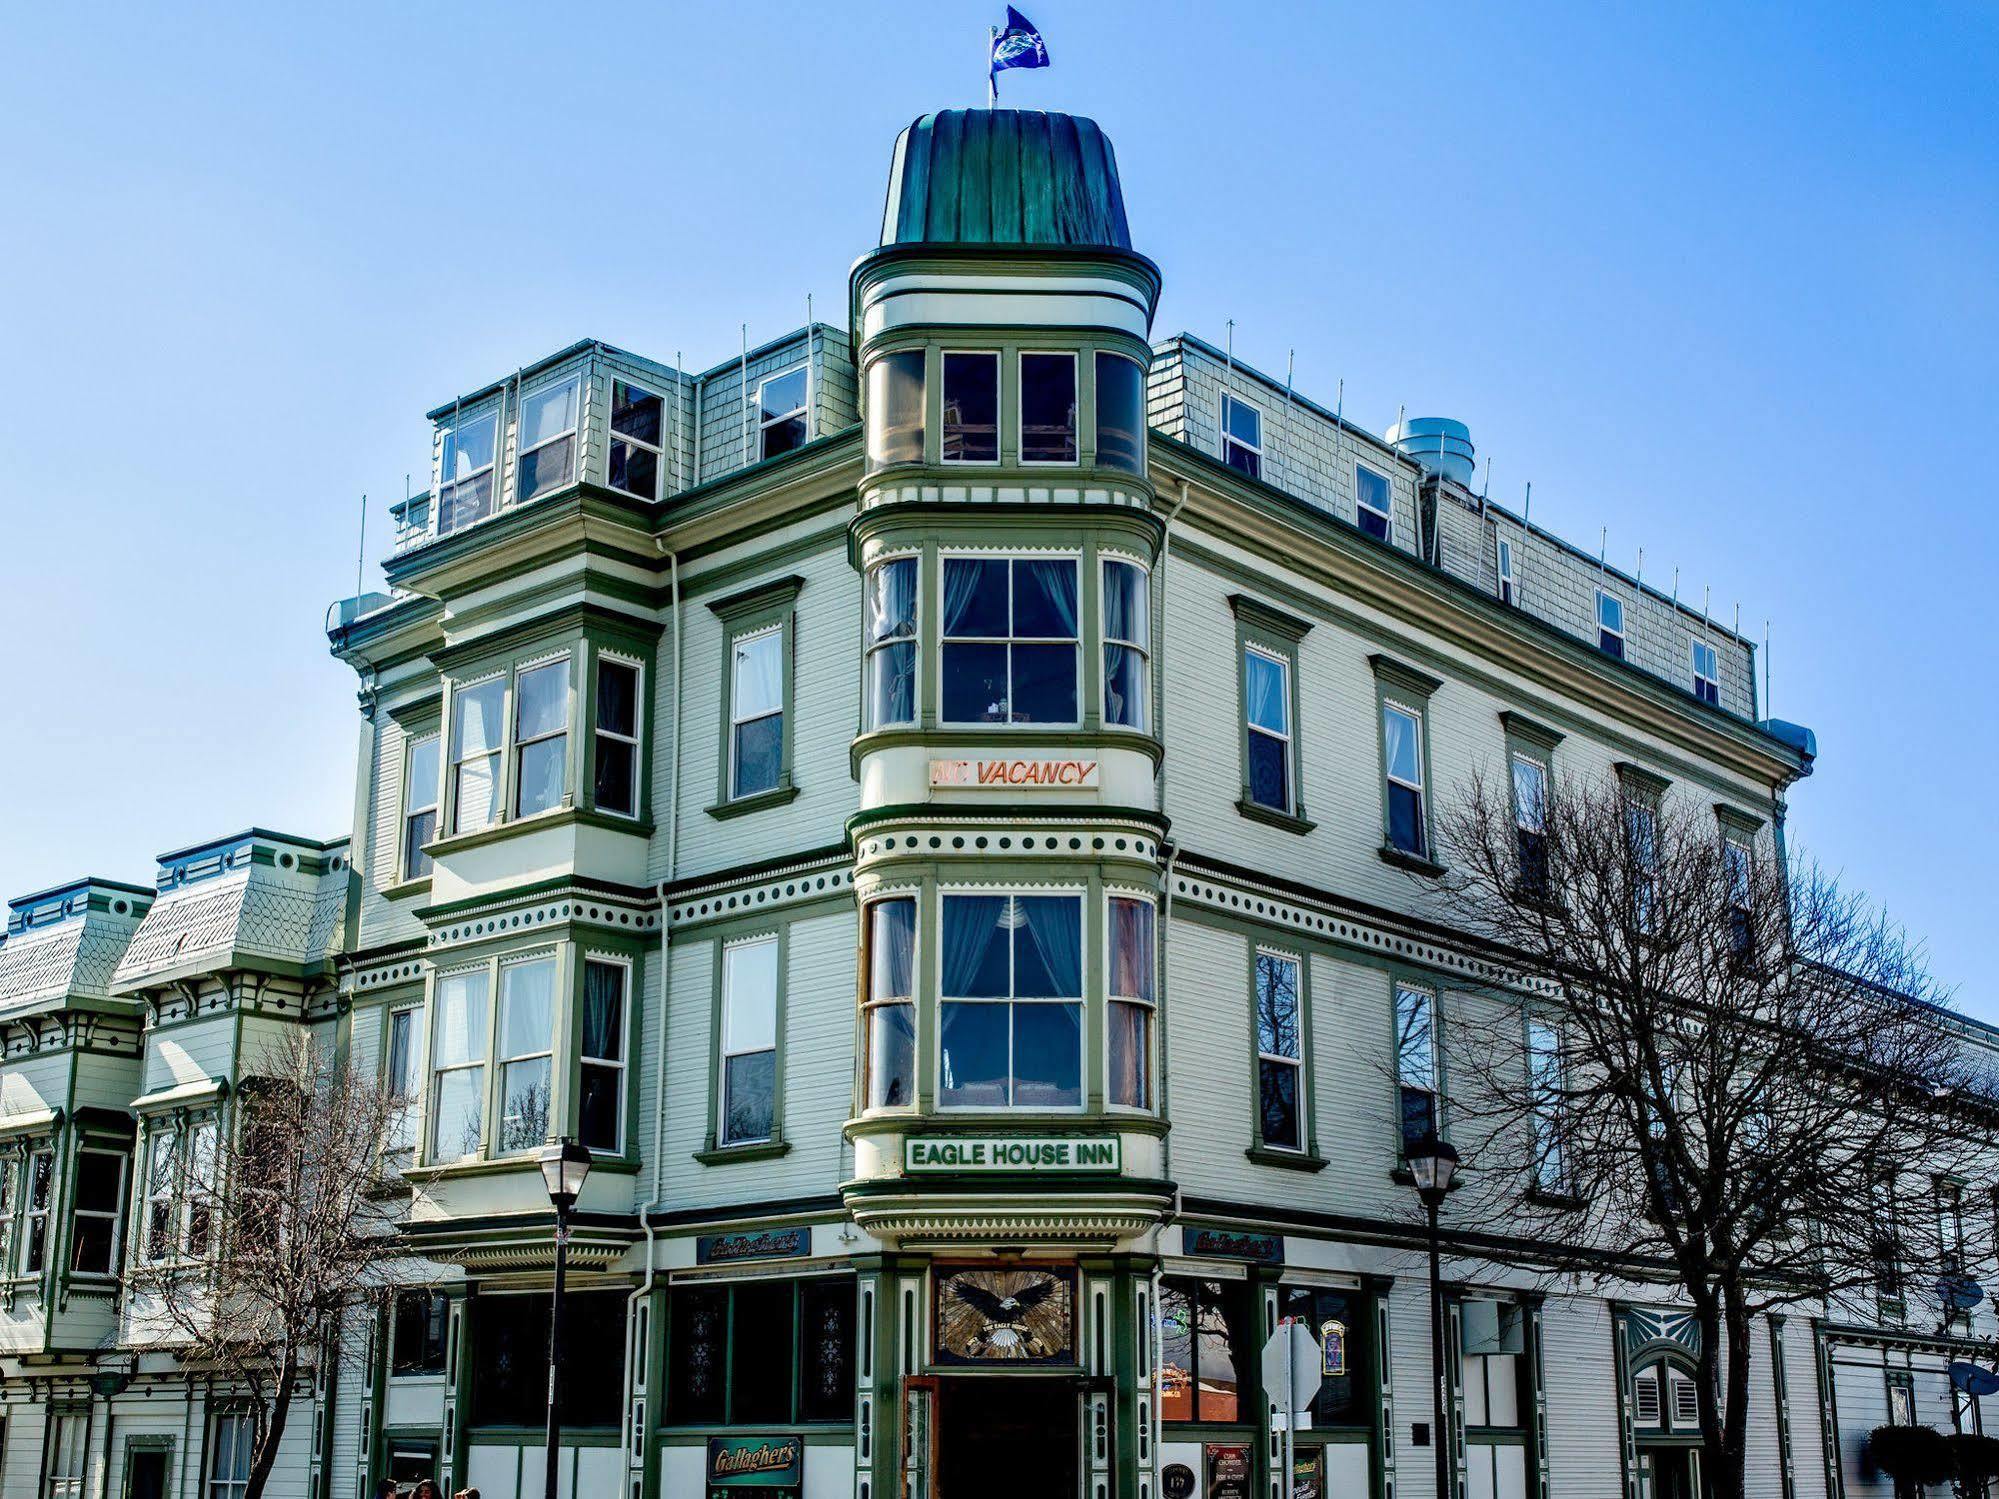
{"x": 1733, "y": 1078}
{"x": 274, "y": 1231}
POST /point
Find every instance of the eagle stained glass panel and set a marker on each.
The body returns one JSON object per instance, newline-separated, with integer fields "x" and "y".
{"x": 1019, "y": 1315}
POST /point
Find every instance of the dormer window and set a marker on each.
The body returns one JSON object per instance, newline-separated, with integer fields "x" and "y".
{"x": 465, "y": 478}
{"x": 636, "y": 424}
{"x": 1242, "y": 436}
{"x": 547, "y": 440}
{"x": 1707, "y": 674}
{"x": 1508, "y": 588}
{"x": 1374, "y": 507}
{"x": 781, "y": 413}
{"x": 1610, "y": 624}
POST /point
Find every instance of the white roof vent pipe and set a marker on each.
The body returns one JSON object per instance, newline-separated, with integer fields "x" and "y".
{"x": 1439, "y": 444}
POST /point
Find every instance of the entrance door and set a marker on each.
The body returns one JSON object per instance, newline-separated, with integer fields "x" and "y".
{"x": 1000, "y": 1438}
{"x": 146, "y": 1474}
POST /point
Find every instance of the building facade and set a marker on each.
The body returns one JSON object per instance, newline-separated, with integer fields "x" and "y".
{"x": 945, "y": 809}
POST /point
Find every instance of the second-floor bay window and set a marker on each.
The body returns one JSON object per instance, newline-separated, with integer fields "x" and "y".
{"x": 891, "y": 642}
{"x": 162, "y": 1178}
{"x": 1133, "y": 973}
{"x": 600, "y": 1113}
{"x": 10, "y": 1177}
{"x": 100, "y": 1194}
{"x": 420, "y": 783}
{"x": 466, "y": 471}
{"x": 40, "y": 1198}
{"x": 476, "y": 735}
{"x": 458, "y": 1065}
{"x": 1127, "y": 623}
{"x": 526, "y": 1051}
{"x": 541, "y": 737}
{"x": 547, "y": 440}
{"x": 615, "y": 783}
{"x": 890, "y": 1001}
{"x": 749, "y": 1042}
{"x": 1010, "y": 652}
{"x": 1011, "y": 1013}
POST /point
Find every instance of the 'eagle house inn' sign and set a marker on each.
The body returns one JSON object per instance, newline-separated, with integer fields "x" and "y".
{"x": 1044, "y": 1153}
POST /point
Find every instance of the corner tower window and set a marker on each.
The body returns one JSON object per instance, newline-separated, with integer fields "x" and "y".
{"x": 891, "y": 644}
{"x": 895, "y": 409}
{"x": 1127, "y": 607}
{"x": 465, "y": 475}
{"x": 1120, "y": 413}
{"x": 1010, "y": 641}
{"x": 781, "y": 413}
{"x": 891, "y": 1003}
{"x": 547, "y": 441}
{"x": 971, "y": 408}
{"x": 1011, "y": 1017}
{"x": 1047, "y": 408}
{"x": 1134, "y": 963}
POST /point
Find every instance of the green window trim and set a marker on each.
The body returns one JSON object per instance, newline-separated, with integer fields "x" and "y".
{"x": 1640, "y": 783}
{"x": 715, "y": 1151}
{"x": 1398, "y": 981}
{"x": 1738, "y": 823}
{"x": 1270, "y": 630}
{"x": 1304, "y": 1156}
{"x": 507, "y": 745}
{"x": 1405, "y": 688}
{"x": 767, "y": 606}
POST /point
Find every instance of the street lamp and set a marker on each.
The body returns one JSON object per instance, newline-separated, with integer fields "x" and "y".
{"x": 564, "y": 1167}
{"x": 1432, "y": 1162}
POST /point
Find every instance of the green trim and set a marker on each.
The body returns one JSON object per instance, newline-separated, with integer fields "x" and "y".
{"x": 777, "y": 925}
{"x": 1638, "y": 781}
{"x": 1289, "y": 1160}
{"x": 1734, "y": 820}
{"x": 767, "y": 606}
{"x": 1268, "y": 618}
{"x": 1530, "y": 732}
{"x": 725, "y": 1155}
{"x": 1257, "y": 812}
{"x": 1273, "y": 633}
{"x": 1413, "y": 863}
{"x": 1402, "y": 677}
{"x": 777, "y": 796}
{"x": 499, "y": 832}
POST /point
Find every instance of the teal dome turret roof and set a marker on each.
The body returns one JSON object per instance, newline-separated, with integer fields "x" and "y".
{"x": 1005, "y": 177}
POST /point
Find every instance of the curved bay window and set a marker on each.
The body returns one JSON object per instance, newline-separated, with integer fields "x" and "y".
{"x": 1120, "y": 413}
{"x": 895, "y": 409}
{"x": 891, "y": 642}
{"x": 1010, "y": 652}
{"x": 1011, "y": 1006}
{"x": 1134, "y": 967}
{"x": 891, "y": 1003}
{"x": 1127, "y": 623}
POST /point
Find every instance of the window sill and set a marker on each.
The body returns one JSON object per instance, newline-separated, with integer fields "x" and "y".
{"x": 762, "y": 1150}
{"x": 777, "y": 796}
{"x": 404, "y": 889}
{"x": 554, "y": 817}
{"x": 1290, "y": 822}
{"x": 1564, "y": 1201}
{"x": 1289, "y": 1160}
{"x": 1414, "y": 863}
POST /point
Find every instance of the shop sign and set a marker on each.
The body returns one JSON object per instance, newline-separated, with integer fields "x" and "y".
{"x": 1176, "y": 1481}
{"x": 1228, "y": 1471}
{"x": 1226, "y": 1243}
{"x": 1015, "y": 775}
{"x": 1050, "y": 1153}
{"x": 1308, "y": 1478}
{"x": 989, "y": 1314}
{"x": 1333, "y": 1348}
{"x": 760, "y": 1462}
{"x": 770, "y": 1244}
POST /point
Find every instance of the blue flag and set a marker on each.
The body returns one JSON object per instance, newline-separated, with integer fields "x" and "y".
{"x": 1016, "y": 45}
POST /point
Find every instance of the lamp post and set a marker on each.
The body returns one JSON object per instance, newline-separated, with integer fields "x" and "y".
{"x": 564, "y": 1167}
{"x": 1432, "y": 1162}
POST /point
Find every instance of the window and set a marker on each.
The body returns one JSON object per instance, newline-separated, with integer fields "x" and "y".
{"x": 1416, "y": 1064}
{"x": 100, "y": 1188}
{"x": 1267, "y": 692}
{"x": 1134, "y": 969}
{"x": 1530, "y": 823}
{"x": 41, "y": 1191}
{"x": 1242, "y": 436}
{"x": 1374, "y": 497}
{"x": 526, "y": 1043}
{"x": 1901, "y": 1397}
{"x": 637, "y": 424}
{"x": 475, "y": 755}
{"x": 1610, "y": 624}
{"x": 773, "y": 1353}
{"x": 1739, "y": 870}
{"x": 458, "y": 1065}
{"x": 1280, "y": 1052}
{"x": 1011, "y": 1013}
{"x": 1206, "y": 1346}
{"x": 749, "y": 1041}
{"x": 1047, "y": 408}
{"x": 1120, "y": 413}
{"x": 601, "y": 1108}
{"x": 418, "y": 1331}
{"x": 615, "y": 782}
{"x": 399, "y": 1076}
{"x": 465, "y": 473}
{"x": 1547, "y": 1077}
{"x": 781, "y": 420}
{"x": 1887, "y": 1247}
{"x": 1010, "y": 640}
{"x": 511, "y": 1333}
{"x": 1402, "y": 767}
{"x": 1127, "y": 611}
{"x": 1508, "y": 588}
{"x": 891, "y": 992}
{"x": 756, "y": 712}
{"x": 895, "y": 409}
{"x": 1707, "y": 673}
{"x": 229, "y": 1456}
{"x": 198, "y": 1200}
{"x": 68, "y": 1448}
{"x": 547, "y": 441}
{"x": 971, "y": 408}
{"x": 10, "y": 1178}
{"x": 162, "y": 1187}
{"x": 1340, "y": 1321}
{"x": 1950, "y": 1228}
{"x": 541, "y": 738}
{"x": 891, "y": 644}
{"x": 419, "y": 805}
{"x": 1641, "y": 829}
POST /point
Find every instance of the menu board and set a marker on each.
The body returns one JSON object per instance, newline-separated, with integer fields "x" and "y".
{"x": 1228, "y": 1472}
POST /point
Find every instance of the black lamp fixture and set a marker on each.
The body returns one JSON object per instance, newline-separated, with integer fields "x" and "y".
{"x": 1432, "y": 1164}
{"x": 565, "y": 1166}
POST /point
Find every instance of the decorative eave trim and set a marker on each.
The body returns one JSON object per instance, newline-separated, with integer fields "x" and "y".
{"x": 1639, "y": 781}
{"x": 182, "y": 1095}
{"x": 1736, "y": 820}
{"x": 1256, "y": 613}
{"x": 777, "y": 594}
{"x": 1393, "y": 673}
{"x": 1531, "y": 731}
{"x": 40, "y": 1121}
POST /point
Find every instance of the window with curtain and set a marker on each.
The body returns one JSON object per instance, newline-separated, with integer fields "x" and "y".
{"x": 1206, "y": 1347}
{"x": 547, "y": 441}
{"x": 1134, "y": 971}
{"x": 1010, "y": 640}
{"x": 749, "y": 1041}
{"x": 68, "y": 1452}
{"x": 1280, "y": 1051}
{"x": 1402, "y": 765}
{"x": 756, "y": 712}
{"x": 1416, "y": 1063}
{"x": 615, "y": 782}
{"x": 229, "y": 1454}
{"x": 41, "y": 1194}
{"x": 1120, "y": 413}
{"x": 895, "y": 409}
{"x": 1267, "y": 711}
{"x": 1047, "y": 408}
{"x": 465, "y": 473}
{"x": 891, "y": 642}
{"x": 891, "y": 1002}
{"x": 526, "y": 1052}
{"x": 971, "y": 408}
{"x": 541, "y": 737}
{"x": 1530, "y": 822}
{"x": 400, "y": 1078}
{"x": 1127, "y": 611}
{"x": 1547, "y": 1077}
{"x": 476, "y": 733}
{"x": 781, "y": 424}
{"x": 100, "y": 1192}
{"x": 458, "y": 1065}
{"x": 1011, "y": 1013}
{"x": 637, "y": 425}
{"x": 419, "y": 805}
{"x": 1374, "y": 510}
{"x": 600, "y": 1113}
{"x": 1242, "y": 436}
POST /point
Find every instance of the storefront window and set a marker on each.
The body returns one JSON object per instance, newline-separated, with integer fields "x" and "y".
{"x": 1206, "y": 1355}
{"x": 761, "y": 1353}
{"x": 510, "y": 1345}
{"x": 1339, "y": 1322}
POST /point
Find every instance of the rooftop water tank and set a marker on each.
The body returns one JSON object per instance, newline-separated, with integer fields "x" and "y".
{"x": 1441, "y": 445}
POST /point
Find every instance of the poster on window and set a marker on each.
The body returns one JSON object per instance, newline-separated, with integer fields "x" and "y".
{"x": 1228, "y": 1471}
{"x": 1308, "y": 1473}
{"x": 1020, "y": 1314}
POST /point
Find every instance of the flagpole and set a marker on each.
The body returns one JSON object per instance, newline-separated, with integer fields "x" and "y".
{"x": 992, "y": 78}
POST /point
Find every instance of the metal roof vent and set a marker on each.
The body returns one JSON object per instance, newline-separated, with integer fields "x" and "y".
{"x": 1439, "y": 444}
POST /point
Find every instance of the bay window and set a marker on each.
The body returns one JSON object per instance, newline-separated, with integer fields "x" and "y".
{"x": 637, "y": 425}
{"x": 971, "y": 408}
{"x": 162, "y": 1186}
{"x": 1416, "y": 1064}
{"x": 1011, "y": 1012}
{"x": 198, "y": 1201}
{"x": 546, "y": 440}
{"x": 41, "y": 1194}
{"x": 891, "y": 642}
{"x": 891, "y": 1003}
{"x": 465, "y": 471}
{"x": 420, "y": 786}
{"x": 756, "y": 706}
{"x": 749, "y": 1041}
{"x": 895, "y": 409}
{"x": 476, "y": 736}
{"x": 458, "y": 1065}
{"x": 526, "y": 1051}
{"x": 601, "y": 1106}
{"x": 541, "y": 737}
{"x": 781, "y": 423}
{"x": 1010, "y": 651}
{"x": 100, "y": 1191}
{"x": 1127, "y": 625}
{"x": 615, "y": 746}
{"x": 400, "y": 1078}
{"x": 1133, "y": 973}
{"x": 1120, "y": 413}
{"x": 1047, "y": 408}
{"x": 1280, "y": 1052}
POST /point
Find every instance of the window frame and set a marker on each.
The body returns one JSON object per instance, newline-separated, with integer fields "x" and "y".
{"x": 1287, "y": 737}
{"x": 500, "y": 753}
{"x": 35, "y": 1256}
{"x": 1140, "y": 469}
{"x": 447, "y": 449}
{"x": 412, "y": 1119}
{"x": 801, "y": 1286}
{"x": 1107, "y": 642}
{"x": 623, "y": 1064}
{"x": 412, "y": 743}
{"x": 1225, "y": 399}
{"x": 872, "y": 1002}
{"x": 872, "y": 647}
{"x": 1398, "y": 985}
{"x": 1148, "y": 1004}
{"x": 11, "y": 1170}
{"x": 998, "y": 357}
{"x": 1272, "y": 633}
{"x": 1507, "y": 584}
{"x": 613, "y": 437}
{"x": 1547, "y": 1121}
{"x": 1261, "y": 1148}
{"x": 1404, "y": 689}
{"x": 945, "y": 557}
{"x": 517, "y": 746}
{"x": 1085, "y": 1064}
{"x": 1021, "y": 356}
{"x": 1707, "y": 688}
{"x": 115, "y": 1215}
{"x": 759, "y": 609}
{"x": 738, "y": 719}
{"x": 481, "y": 1062}
{"x": 803, "y": 409}
{"x": 1362, "y": 509}
{"x": 243, "y": 1425}
{"x": 503, "y": 1062}
{"x": 1605, "y": 634}
{"x": 719, "y": 1144}
{"x": 572, "y": 434}
{"x": 66, "y": 1484}
{"x": 599, "y": 659}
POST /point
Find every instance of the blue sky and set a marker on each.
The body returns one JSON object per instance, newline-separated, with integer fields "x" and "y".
{"x": 1722, "y": 280}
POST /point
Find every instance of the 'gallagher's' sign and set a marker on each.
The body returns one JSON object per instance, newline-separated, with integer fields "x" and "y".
{"x": 755, "y": 1462}
{"x": 1030, "y": 775}
{"x": 1011, "y": 1153}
